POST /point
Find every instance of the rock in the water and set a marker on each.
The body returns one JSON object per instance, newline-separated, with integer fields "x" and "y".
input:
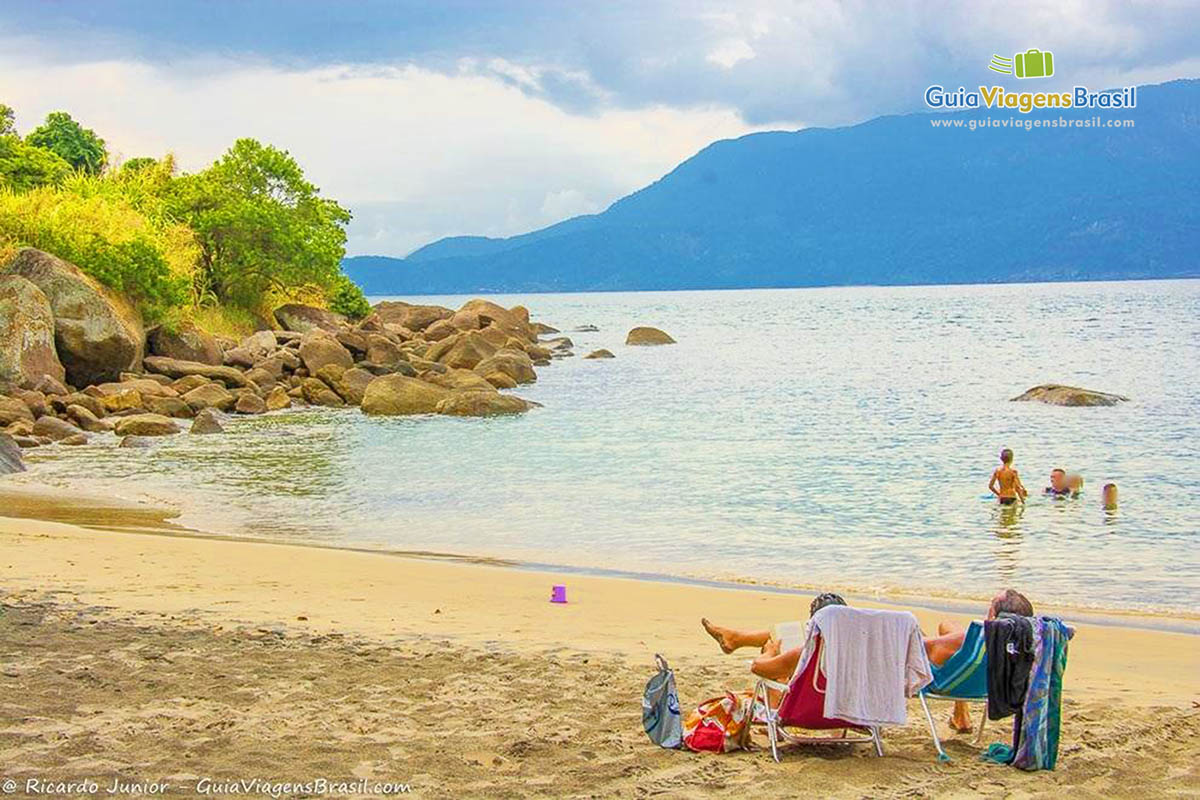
{"x": 316, "y": 392}
{"x": 1057, "y": 395}
{"x": 250, "y": 403}
{"x": 146, "y": 425}
{"x": 302, "y": 319}
{"x": 74, "y": 440}
{"x": 207, "y": 421}
{"x": 481, "y": 404}
{"x": 185, "y": 385}
{"x": 12, "y": 409}
{"x": 465, "y": 351}
{"x": 352, "y": 385}
{"x": 187, "y": 343}
{"x": 601, "y": 353}
{"x": 318, "y": 348}
{"x": 54, "y": 428}
{"x": 278, "y": 399}
{"x": 168, "y": 407}
{"x": 541, "y": 329}
{"x": 500, "y": 380}
{"x": 585, "y": 329}
{"x": 27, "y": 352}
{"x": 648, "y": 336}
{"x": 513, "y": 322}
{"x": 210, "y": 395}
{"x": 513, "y": 363}
{"x": 413, "y": 318}
{"x": 137, "y": 441}
{"x": 97, "y": 334}
{"x": 121, "y": 401}
{"x": 87, "y": 420}
{"x": 460, "y": 380}
{"x": 10, "y": 455}
{"x": 175, "y": 368}
{"x": 398, "y": 394}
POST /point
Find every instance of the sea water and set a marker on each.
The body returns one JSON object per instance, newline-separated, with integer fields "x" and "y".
{"x": 837, "y": 437}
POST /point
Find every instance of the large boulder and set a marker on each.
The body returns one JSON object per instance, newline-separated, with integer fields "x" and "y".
{"x": 250, "y": 403}
{"x": 352, "y": 385}
{"x": 12, "y": 410}
{"x": 316, "y": 392}
{"x": 648, "y": 336}
{"x": 277, "y": 399}
{"x": 302, "y": 319}
{"x": 514, "y": 322}
{"x": 382, "y": 350}
{"x": 318, "y": 349}
{"x": 1058, "y": 395}
{"x": 168, "y": 406}
{"x": 97, "y": 333}
{"x": 601, "y": 353}
{"x": 463, "y": 380}
{"x": 174, "y": 368}
{"x": 392, "y": 395}
{"x": 87, "y": 420}
{"x": 10, "y": 455}
{"x": 408, "y": 316}
{"x": 481, "y": 404}
{"x": 210, "y": 395}
{"x": 512, "y": 363}
{"x": 187, "y": 343}
{"x": 207, "y": 421}
{"x": 27, "y": 353}
{"x": 146, "y": 425}
{"x": 54, "y": 428}
{"x": 253, "y": 349}
{"x": 464, "y": 351}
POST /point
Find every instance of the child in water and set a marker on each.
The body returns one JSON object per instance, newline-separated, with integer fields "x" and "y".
{"x": 1006, "y": 483}
{"x": 1110, "y": 496}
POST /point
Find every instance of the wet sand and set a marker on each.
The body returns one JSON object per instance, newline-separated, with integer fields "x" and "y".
{"x": 173, "y": 658}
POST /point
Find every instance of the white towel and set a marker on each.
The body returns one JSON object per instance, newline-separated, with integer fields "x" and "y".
{"x": 872, "y": 660}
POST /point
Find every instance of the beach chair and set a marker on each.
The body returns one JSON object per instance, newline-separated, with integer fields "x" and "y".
{"x": 802, "y": 707}
{"x": 962, "y": 678}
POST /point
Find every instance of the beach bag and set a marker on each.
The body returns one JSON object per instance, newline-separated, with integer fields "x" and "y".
{"x": 719, "y": 725}
{"x": 660, "y": 707}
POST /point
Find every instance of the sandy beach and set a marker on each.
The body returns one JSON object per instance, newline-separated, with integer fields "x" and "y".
{"x": 152, "y": 656}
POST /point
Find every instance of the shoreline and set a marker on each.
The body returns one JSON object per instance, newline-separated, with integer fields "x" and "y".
{"x": 47, "y": 503}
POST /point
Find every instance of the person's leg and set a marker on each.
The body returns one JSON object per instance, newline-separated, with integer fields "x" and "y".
{"x": 731, "y": 639}
{"x": 950, "y": 637}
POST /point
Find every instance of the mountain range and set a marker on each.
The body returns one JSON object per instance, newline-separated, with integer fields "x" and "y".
{"x": 891, "y": 201}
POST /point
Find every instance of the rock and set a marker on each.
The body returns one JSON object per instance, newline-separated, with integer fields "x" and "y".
{"x": 12, "y": 409}
{"x": 318, "y": 348}
{"x": 161, "y": 380}
{"x": 277, "y": 399}
{"x": 465, "y": 321}
{"x": 182, "y": 369}
{"x": 122, "y": 401}
{"x": 465, "y": 351}
{"x": 512, "y": 363}
{"x": 302, "y": 319}
{"x": 460, "y": 380}
{"x": 316, "y": 392}
{"x": 143, "y": 386}
{"x": 413, "y": 318}
{"x": 92, "y": 404}
{"x": 185, "y": 385}
{"x": 27, "y": 352}
{"x": 541, "y": 329}
{"x": 601, "y": 353}
{"x": 354, "y": 341}
{"x": 352, "y": 385}
{"x": 87, "y": 420}
{"x": 168, "y": 407}
{"x": 538, "y": 353}
{"x": 440, "y": 330}
{"x": 586, "y": 329}
{"x": 207, "y": 421}
{"x": 33, "y": 400}
{"x": 210, "y": 395}
{"x": 137, "y": 441}
{"x": 481, "y": 404}
{"x": 252, "y": 349}
{"x": 382, "y": 350}
{"x": 188, "y": 343}
{"x": 50, "y": 385}
{"x": 558, "y": 343}
{"x": 330, "y": 374}
{"x": 146, "y": 425}
{"x": 1057, "y": 395}
{"x": 22, "y": 427}
{"x": 96, "y": 333}
{"x": 250, "y": 403}
{"x": 647, "y": 336}
{"x": 10, "y": 455}
{"x": 500, "y": 380}
{"x": 514, "y": 322}
{"x": 74, "y": 440}
{"x": 398, "y": 394}
{"x": 261, "y": 378}
{"x": 54, "y": 428}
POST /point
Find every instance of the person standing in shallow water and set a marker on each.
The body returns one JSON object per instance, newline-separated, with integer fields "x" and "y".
{"x": 1109, "y": 493}
{"x": 1006, "y": 482}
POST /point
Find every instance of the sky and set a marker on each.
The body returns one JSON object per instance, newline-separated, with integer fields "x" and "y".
{"x": 431, "y": 119}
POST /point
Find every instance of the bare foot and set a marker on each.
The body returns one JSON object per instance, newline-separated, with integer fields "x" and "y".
{"x": 960, "y": 725}
{"x": 722, "y": 635}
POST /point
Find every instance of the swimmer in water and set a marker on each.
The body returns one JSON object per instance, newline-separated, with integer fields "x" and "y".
{"x": 1058, "y": 483}
{"x": 1006, "y": 483}
{"x": 1109, "y": 493}
{"x": 1075, "y": 484}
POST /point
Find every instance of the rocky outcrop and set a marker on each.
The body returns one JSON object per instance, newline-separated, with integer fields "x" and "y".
{"x": 27, "y": 350}
{"x": 647, "y": 336}
{"x": 464, "y": 351}
{"x": 514, "y": 322}
{"x": 393, "y": 395}
{"x": 406, "y": 315}
{"x": 512, "y": 363}
{"x": 174, "y": 368}
{"x": 146, "y": 425}
{"x": 97, "y": 334}
{"x": 187, "y": 343}
{"x": 601, "y": 353}
{"x": 302, "y": 319}
{"x": 1057, "y": 395}
{"x": 10, "y": 455}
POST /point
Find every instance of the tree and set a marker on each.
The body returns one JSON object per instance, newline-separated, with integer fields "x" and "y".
{"x": 78, "y": 146}
{"x": 260, "y": 225}
{"x": 23, "y": 167}
{"x": 7, "y": 120}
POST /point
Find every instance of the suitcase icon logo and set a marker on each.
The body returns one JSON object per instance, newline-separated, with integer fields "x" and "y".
{"x": 1033, "y": 63}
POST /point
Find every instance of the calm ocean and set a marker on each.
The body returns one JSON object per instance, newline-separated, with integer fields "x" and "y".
{"x": 839, "y": 437}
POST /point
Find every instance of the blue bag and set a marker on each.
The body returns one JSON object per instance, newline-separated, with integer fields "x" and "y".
{"x": 660, "y": 708}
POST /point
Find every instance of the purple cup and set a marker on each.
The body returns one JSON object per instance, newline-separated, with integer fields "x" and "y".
{"x": 558, "y": 593}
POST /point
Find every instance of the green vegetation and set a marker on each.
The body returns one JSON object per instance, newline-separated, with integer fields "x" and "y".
{"x": 220, "y": 247}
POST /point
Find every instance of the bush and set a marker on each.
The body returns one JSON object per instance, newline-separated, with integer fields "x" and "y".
{"x": 347, "y": 298}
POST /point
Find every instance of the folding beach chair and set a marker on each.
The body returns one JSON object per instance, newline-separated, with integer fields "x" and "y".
{"x": 962, "y": 678}
{"x": 802, "y": 707}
